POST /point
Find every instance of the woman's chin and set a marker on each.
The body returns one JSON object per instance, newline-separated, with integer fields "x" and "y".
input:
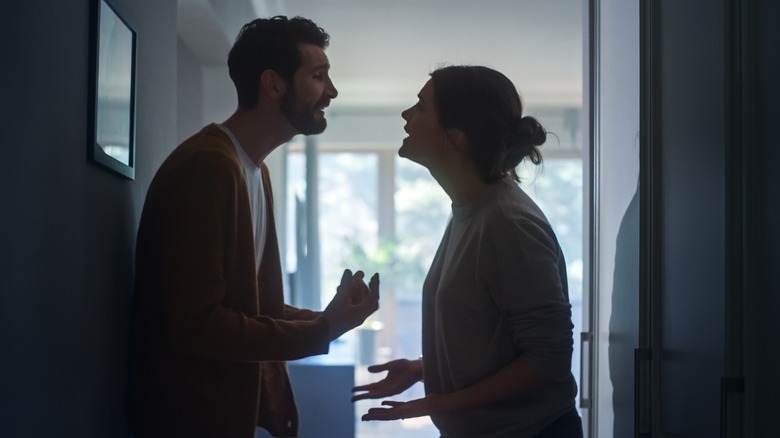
{"x": 402, "y": 151}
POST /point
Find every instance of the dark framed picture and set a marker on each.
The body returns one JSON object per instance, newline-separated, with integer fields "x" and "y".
{"x": 112, "y": 88}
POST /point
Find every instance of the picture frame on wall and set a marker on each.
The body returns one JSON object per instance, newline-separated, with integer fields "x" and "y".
{"x": 112, "y": 88}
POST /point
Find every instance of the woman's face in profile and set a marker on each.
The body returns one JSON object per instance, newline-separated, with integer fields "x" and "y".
{"x": 427, "y": 138}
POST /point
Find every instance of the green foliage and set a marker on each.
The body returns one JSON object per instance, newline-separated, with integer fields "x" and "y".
{"x": 399, "y": 266}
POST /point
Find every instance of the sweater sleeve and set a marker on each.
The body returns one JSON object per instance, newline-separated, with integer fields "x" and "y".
{"x": 543, "y": 338}
{"x": 187, "y": 264}
{"x": 529, "y": 286}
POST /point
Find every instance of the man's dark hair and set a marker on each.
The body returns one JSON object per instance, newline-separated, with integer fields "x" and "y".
{"x": 270, "y": 44}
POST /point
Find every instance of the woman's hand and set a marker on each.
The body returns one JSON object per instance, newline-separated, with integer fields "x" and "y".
{"x": 512, "y": 380}
{"x": 401, "y": 374}
{"x": 430, "y": 404}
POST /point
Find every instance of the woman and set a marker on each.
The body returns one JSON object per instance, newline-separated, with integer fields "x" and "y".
{"x": 497, "y": 331}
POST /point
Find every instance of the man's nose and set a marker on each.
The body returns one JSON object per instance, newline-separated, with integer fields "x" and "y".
{"x": 331, "y": 90}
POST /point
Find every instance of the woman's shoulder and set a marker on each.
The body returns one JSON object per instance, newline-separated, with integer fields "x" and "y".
{"x": 513, "y": 204}
{"x": 514, "y": 215}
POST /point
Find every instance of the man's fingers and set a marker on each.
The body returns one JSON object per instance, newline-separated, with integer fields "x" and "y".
{"x": 373, "y": 285}
{"x": 346, "y": 277}
{"x": 372, "y": 302}
{"x": 359, "y": 290}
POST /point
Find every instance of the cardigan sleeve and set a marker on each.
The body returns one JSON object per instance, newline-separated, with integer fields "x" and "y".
{"x": 187, "y": 259}
{"x": 295, "y": 314}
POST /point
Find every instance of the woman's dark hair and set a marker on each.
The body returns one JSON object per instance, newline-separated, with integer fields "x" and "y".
{"x": 484, "y": 104}
{"x": 269, "y": 44}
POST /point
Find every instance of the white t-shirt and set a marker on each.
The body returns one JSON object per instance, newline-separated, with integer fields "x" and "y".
{"x": 257, "y": 202}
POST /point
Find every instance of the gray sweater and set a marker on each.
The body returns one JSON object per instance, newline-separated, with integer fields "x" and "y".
{"x": 497, "y": 291}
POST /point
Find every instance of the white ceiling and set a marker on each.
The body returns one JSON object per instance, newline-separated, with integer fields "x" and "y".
{"x": 382, "y": 50}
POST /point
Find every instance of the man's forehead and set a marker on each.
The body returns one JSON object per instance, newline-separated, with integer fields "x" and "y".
{"x": 313, "y": 54}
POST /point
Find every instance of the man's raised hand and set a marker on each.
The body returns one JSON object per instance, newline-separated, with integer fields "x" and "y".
{"x": 352, "y": 304}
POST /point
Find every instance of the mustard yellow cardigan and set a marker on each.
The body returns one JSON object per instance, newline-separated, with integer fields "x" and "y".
{"x": 209, "y": 335}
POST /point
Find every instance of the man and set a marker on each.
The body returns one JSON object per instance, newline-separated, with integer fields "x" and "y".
{"x": 210, "y": 327}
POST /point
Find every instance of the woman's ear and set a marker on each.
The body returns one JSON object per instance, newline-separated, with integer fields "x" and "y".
{"x": 457, "y": 137}
{"x": 272, "y": 85}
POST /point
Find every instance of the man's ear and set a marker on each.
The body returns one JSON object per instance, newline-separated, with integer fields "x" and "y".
{"x": 272, "y": 85}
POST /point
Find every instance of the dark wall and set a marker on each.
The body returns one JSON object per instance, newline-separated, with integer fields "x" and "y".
{"x": 691, "y": 148}
{"x": 189, "y": 83}
{"x": 700, "y": 180}
{"x": 67, "y": 227}
{"x": 763, "y": 334}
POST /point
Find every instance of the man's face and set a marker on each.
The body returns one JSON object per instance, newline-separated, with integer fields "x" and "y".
{"x": 310, "y": 92}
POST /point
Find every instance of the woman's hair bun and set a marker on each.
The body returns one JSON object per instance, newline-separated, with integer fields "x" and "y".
{"x": 521, "y": 141}
{"x": 532, "y": 131}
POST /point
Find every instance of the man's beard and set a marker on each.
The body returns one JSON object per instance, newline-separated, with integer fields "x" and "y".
{"x": 302, "y": 118}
